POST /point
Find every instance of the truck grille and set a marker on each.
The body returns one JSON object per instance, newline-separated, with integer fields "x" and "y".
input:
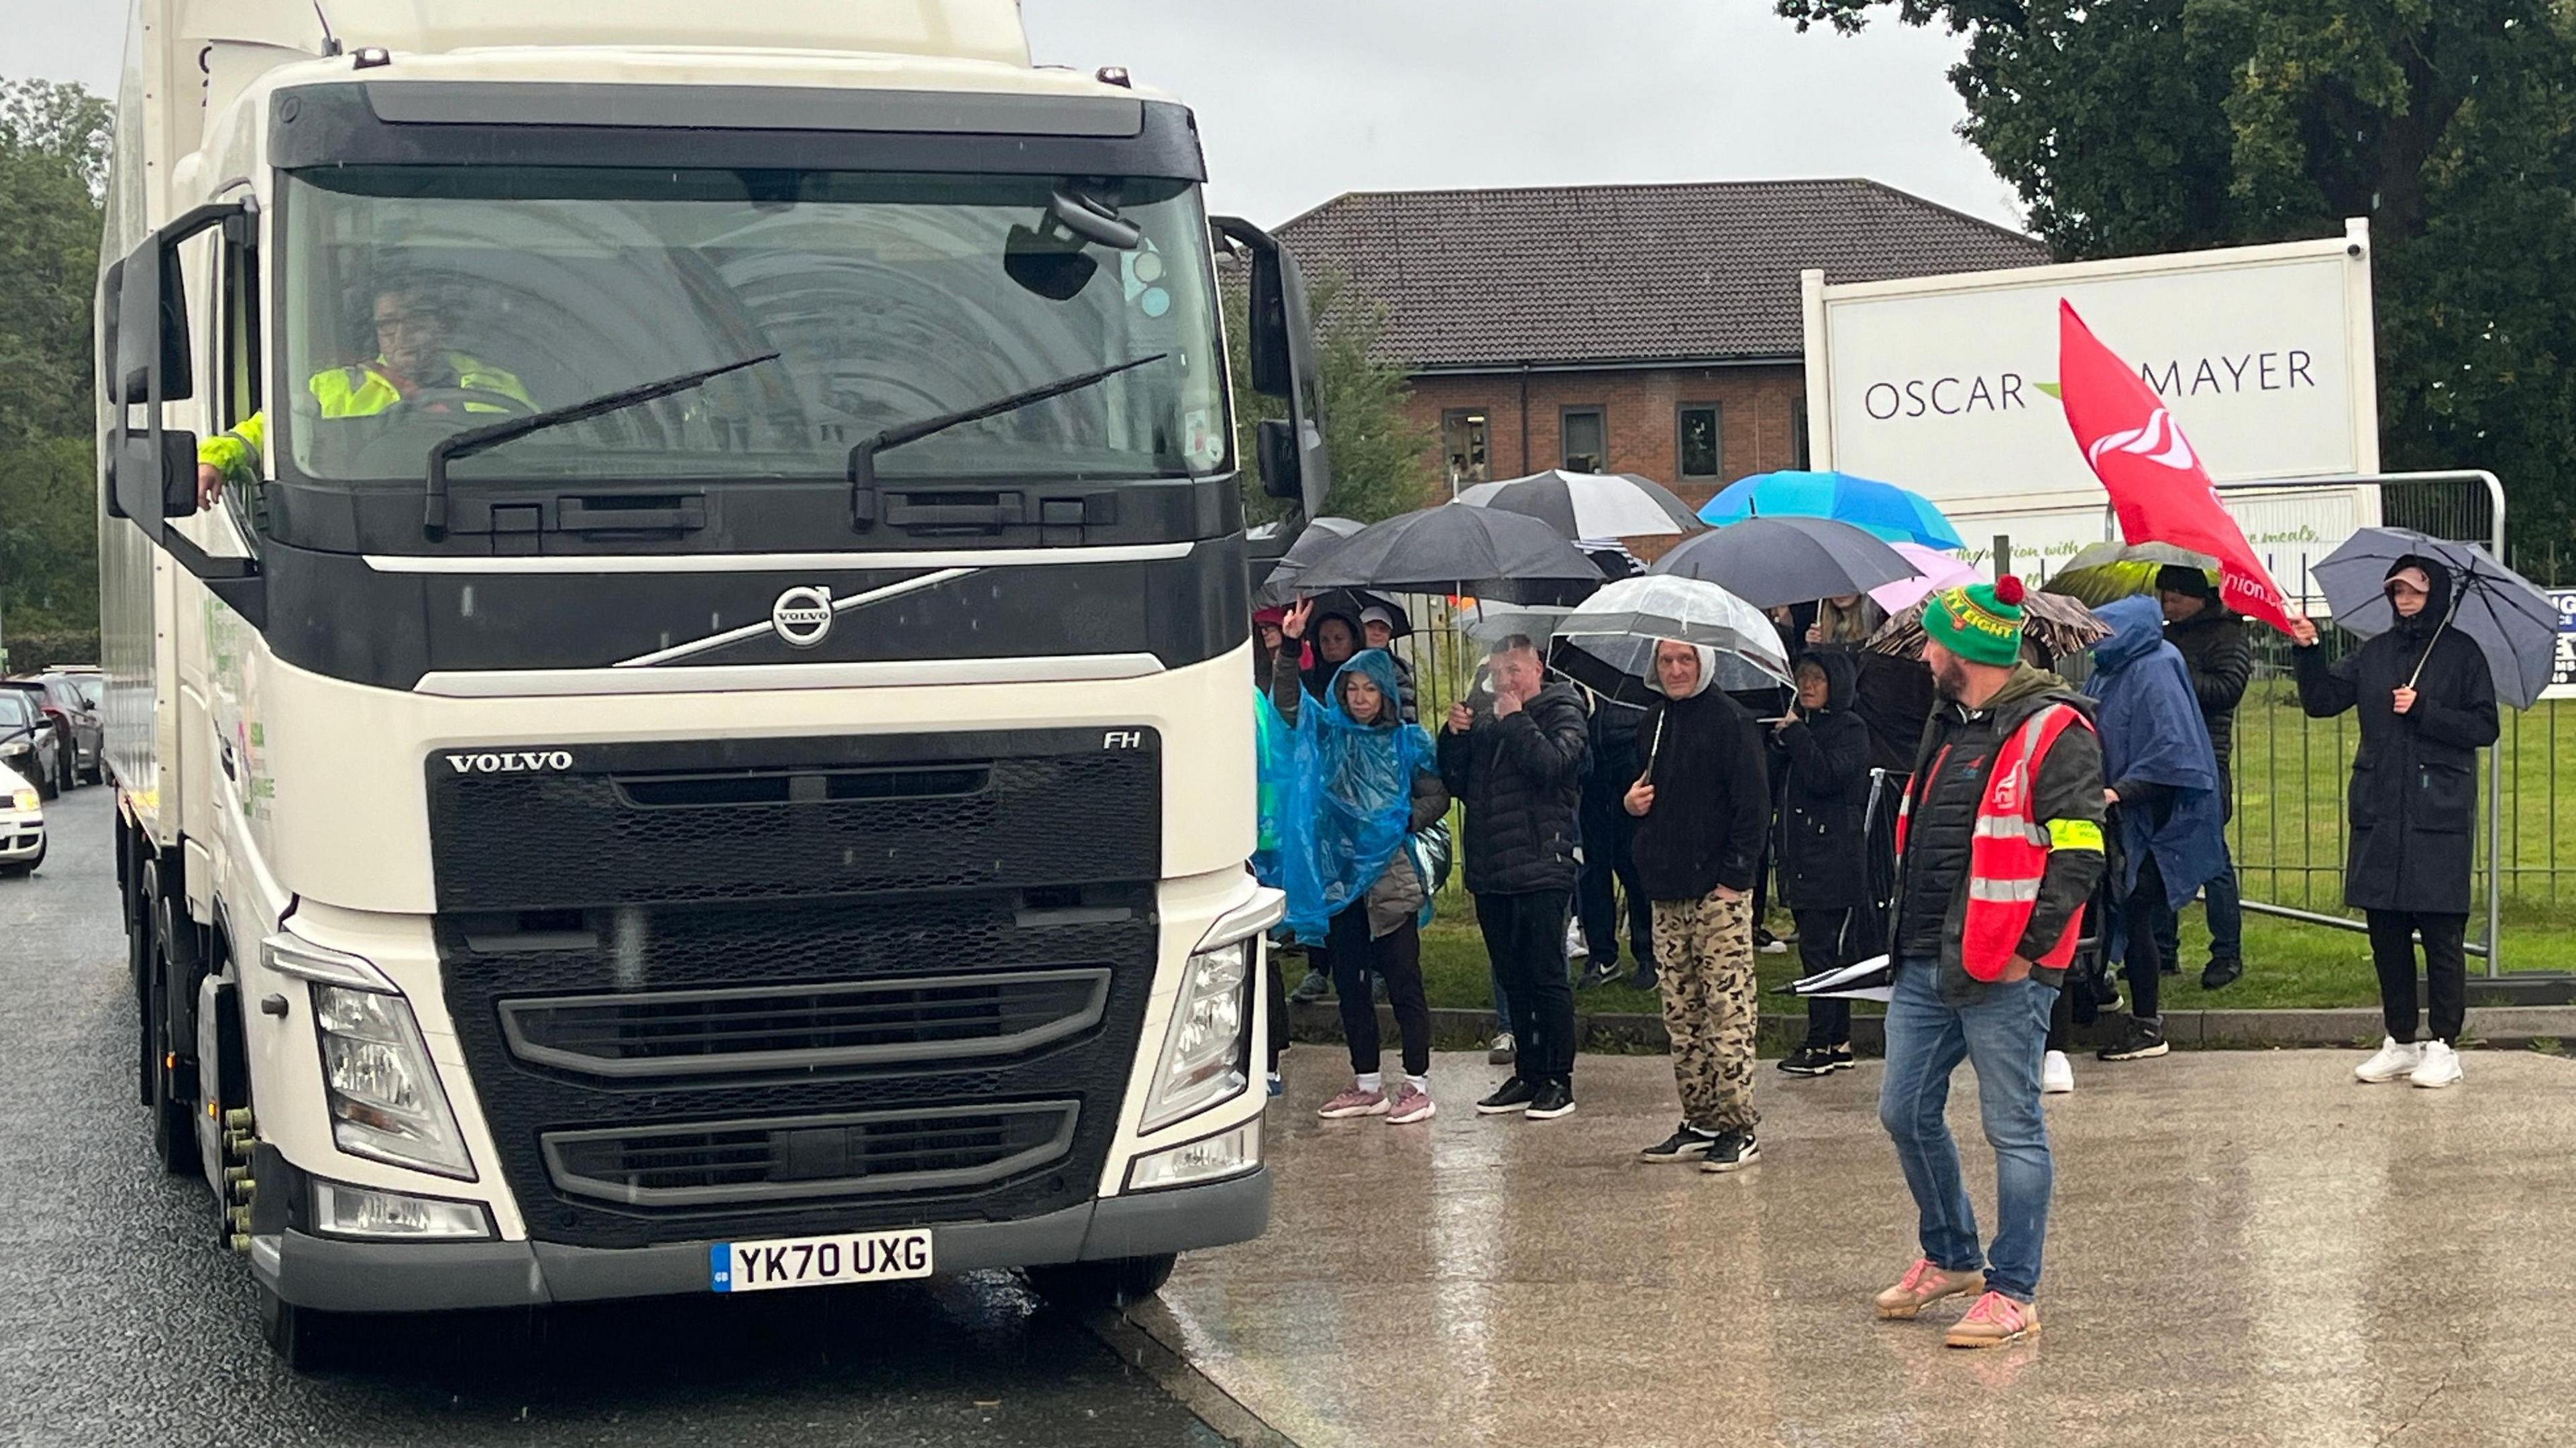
{"x": 739, "y": 988}
{"x": 734, "y": 1031}
{"x": 786, "y": 1158}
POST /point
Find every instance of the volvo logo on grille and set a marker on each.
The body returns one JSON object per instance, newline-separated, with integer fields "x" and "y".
{"x": 802, "y": 616}
{"x": 522, "y": 762}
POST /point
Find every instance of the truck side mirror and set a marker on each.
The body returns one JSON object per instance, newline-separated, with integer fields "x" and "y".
{"x": 1284, "y": 363}
{"x": 1275, "y": 444}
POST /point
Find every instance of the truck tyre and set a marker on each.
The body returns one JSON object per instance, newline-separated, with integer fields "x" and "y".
{"x": 174, "y": 1124}
{"x": 138, "y": 950}
{"x": 1112, "y": 1283}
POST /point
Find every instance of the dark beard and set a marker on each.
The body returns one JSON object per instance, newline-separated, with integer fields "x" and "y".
{"x": 1951, "y": 681}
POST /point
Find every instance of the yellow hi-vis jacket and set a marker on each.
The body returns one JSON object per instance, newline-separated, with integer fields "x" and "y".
{"x": 361, "y": 390}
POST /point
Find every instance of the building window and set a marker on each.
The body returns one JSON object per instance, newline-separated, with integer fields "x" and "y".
{"x": 1586, "y": 438}
{"x": 1697, "y": 423}
{"x": 1799, "y": 457}
{"x": 1462, "y": 443}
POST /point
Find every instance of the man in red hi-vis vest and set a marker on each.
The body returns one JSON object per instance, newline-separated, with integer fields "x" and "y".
{"x": 1999, "y": 843}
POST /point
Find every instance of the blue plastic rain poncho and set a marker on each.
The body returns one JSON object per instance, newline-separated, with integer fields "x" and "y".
{"x": 1274, "y": 747}
{"x": 2152, "y": 732}
{"x": 1350, "y": 799}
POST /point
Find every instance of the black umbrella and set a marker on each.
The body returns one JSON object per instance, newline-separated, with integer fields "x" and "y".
{"x": 1356, "y": 601}
{"x": 1590, "y": 505}
{"x": 1320, "y": 537}
{"x": 2514, "y": 624}
{"x": 1482, "y": 551}
{"x": 1768, "y": 562}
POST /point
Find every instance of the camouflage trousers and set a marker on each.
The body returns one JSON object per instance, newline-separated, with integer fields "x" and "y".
{"x": 1704, "y": 963}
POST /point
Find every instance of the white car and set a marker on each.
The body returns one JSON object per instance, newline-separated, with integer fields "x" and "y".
{"x": 22, "y": 824}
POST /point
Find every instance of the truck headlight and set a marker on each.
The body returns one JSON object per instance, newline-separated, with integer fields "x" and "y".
{"x": 340, "y": 1210}
{"x": 1207, "y": 1049}
{"x": 1210, "y": 1158}
{"x": 25, "y": 801}
{"x": 385, "y": 1100}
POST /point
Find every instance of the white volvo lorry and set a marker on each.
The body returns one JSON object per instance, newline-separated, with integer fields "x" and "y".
{"x": 674, "y": 594}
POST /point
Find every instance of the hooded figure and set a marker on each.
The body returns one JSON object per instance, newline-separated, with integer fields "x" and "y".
{"x": 1702, "y": 805}
{"x": 1333, "y": 636}
{"x": 1823, "y": 844}
{"x": 2413, "y": 806}
{"x": 2155, "y": 753}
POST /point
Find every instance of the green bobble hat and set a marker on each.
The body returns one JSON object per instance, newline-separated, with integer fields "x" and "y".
{"x": 1980, "y": 622}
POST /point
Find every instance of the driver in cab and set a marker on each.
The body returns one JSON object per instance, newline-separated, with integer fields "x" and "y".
{"x": 413, "y": 367}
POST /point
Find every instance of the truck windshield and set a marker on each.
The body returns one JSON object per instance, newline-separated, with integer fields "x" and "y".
{"x": 421, "y": 301}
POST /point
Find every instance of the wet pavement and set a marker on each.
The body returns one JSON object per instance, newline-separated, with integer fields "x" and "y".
{"x": 128, "y": 1324}
{"x": 2247, "y": 1248}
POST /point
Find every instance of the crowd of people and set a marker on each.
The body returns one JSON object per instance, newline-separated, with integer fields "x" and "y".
{"x": 2020, "y": 860}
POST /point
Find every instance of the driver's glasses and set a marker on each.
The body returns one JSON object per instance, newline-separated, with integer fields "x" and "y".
{"x": 389, "y": 324}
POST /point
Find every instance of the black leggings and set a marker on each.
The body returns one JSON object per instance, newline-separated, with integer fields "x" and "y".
{"x": 1821, "y": 948}
{"x": 2146, "y": 966}
{"x": 2446, "y": 971}
{"x": 1396, "y": 958}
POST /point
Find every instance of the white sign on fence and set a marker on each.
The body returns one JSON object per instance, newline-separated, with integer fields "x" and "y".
{"x": 1946, "y": 385}
{"x": 2562, "y": 665}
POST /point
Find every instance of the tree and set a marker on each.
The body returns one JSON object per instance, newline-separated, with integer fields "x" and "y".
{"x": 2167, "y": 125}
{"x": 53, "y": 168}
{"x": 1381, "y": 457}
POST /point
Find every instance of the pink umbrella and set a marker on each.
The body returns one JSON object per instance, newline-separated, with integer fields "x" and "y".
{"x": 1934, "y": 569}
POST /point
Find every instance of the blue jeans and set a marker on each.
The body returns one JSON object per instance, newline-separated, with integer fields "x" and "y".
{"x": 2002, "y": 1038}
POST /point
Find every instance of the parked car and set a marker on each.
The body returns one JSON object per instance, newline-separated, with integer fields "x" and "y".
{"x": 67, "y": 700}
{"x": 32, "y": 743}
{"x": 22, "y": 824}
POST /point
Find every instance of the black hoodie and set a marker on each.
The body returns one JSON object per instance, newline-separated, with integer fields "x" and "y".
{"x": 1824, "y": 799}
{"x": 1703, "y": 754}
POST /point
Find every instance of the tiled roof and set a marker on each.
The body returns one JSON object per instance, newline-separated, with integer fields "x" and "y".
{"x": 1573, "y": 274}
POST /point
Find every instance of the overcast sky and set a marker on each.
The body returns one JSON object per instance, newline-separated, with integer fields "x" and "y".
{"x": 1298, "y": 102}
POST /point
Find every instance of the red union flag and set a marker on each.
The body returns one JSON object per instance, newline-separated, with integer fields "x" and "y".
{"x": 2157, "y": 484}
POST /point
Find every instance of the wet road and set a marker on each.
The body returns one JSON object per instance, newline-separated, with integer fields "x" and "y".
{"x": 128, "y": 1323}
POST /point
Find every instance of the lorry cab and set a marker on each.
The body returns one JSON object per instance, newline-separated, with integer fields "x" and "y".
{"x": 675, "y": 605}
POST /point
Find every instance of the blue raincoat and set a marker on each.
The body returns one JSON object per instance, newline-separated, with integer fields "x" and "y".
{"x": 2152, "y": 732}
{"x": 1349, "y": 801}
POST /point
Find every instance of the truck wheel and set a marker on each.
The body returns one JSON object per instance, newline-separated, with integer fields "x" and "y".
{"x": 174, "y": 1124}
{"x": 138, "y": 950}
{"x": 1113, "y": 1283}
{"x": 301, "y": 1337}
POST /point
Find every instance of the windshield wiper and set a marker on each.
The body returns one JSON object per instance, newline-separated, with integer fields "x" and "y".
{"x": 483, "y": 439}
{"x": 863, "y": 454}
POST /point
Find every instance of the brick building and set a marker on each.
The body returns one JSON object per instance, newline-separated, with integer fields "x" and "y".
{"x": 1637, "y": 329}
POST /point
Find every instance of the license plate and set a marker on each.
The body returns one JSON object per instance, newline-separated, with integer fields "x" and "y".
{"x": 819, "y": 1261}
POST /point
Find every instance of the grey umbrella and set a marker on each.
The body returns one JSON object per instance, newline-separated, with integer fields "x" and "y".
{"x": 1448, "y": 549}
{"x": 1607, "y": 644}
{"x": 2513, "y": 623}
{"x": 1320, "y": 537}
{"x": 1771, "y": 561}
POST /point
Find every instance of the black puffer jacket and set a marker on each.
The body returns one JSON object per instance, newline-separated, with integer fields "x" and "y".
{"x": 2220, "y": 657}
{"x": 2414, "y": 795}
{"x": 1712, "y": 798}
{"x": 1521, "y": 776}
{"x": 1932, "y": 875}
{"x": 1824, "y": 798}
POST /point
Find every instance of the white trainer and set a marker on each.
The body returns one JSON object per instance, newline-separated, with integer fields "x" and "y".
{"x": 2393, "y": 1061}
{"x": 2056, "y": 1075}
{"x": 2440, "y": 1067}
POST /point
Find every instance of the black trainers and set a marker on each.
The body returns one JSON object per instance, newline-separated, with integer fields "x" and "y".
{"x": 1513, "y": 1095}
{"x": 1644, "y": 979}
{"x": 1313, "y": 988}
{"x": 1841, "y": 1057}
{"x": 1554, "y": 1099}
{"x": 1598, "y": 973}
{"x": 1811, "y": 1061}
{"x": 1684, "y": 1145}
{"x": 1734, "y": 1151}
{"x": 2139, "y": 1040}
{"x": 2221, "y": 972}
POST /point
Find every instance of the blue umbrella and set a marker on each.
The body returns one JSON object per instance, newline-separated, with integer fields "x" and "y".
{"x": 1893, "y": 513}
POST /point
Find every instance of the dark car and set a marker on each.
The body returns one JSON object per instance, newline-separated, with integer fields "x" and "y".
{"x": 31, "y": 742}
{"x": 76, "y": 696}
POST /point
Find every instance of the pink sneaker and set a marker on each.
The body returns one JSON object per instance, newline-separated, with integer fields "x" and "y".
{"x": 1410, "y": 1105}
{"x": 1353, "y": 1102}
{"x": 1994, "y": 1321}
{"x": 1925, "y": 1284}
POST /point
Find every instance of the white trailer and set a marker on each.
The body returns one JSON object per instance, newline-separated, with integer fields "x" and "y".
{"x": 699, "y": 740}
{"x": 1946, "y": 385}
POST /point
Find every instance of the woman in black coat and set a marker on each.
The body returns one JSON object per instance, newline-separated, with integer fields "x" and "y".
{"x": 2426, "y": 702}
{"x": 1823, "y": 842}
